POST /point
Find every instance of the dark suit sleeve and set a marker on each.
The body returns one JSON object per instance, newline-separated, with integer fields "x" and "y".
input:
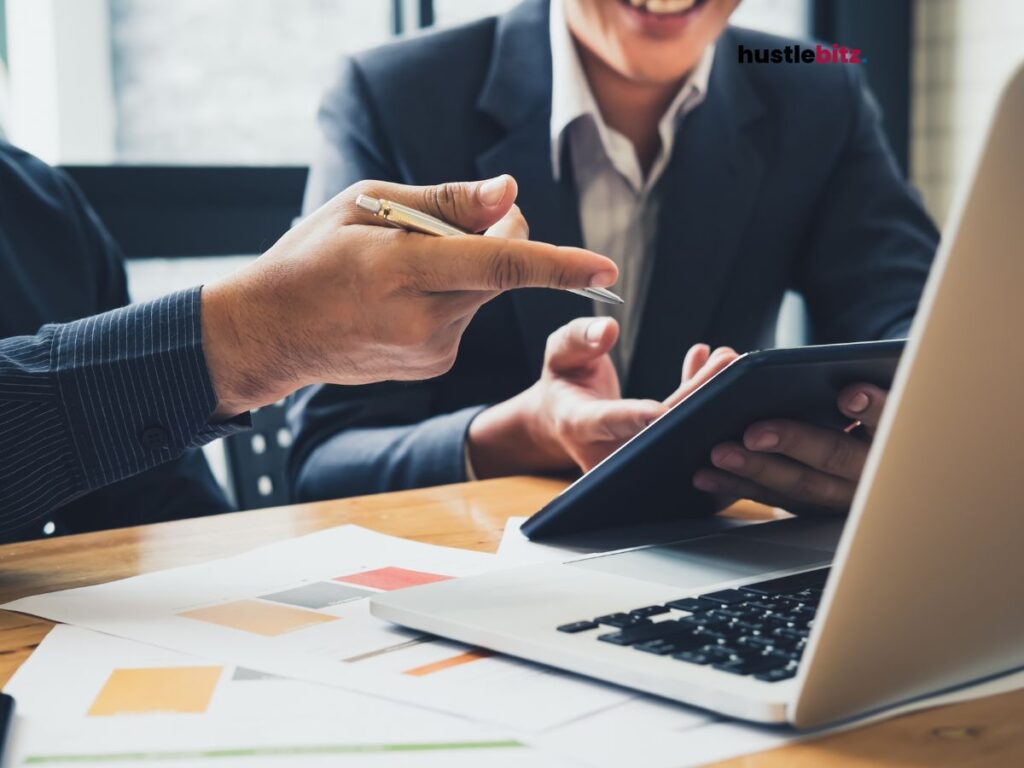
{"x": 872, "y": 242}
{"x": 385, "y": 437}
{"x": 87, "y": 403}
{"x": 352, "y": 145}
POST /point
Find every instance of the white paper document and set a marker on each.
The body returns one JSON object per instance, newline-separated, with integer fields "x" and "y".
{"x": 85, "y": 698}
{"x": 514, "y": 546}
{"x": 299, "y": 608}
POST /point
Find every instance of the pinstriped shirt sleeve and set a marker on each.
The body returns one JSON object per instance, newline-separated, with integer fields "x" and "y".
{"x": 87, "y": 403}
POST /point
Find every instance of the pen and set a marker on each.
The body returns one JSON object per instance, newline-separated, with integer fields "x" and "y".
{"x": 409, "y": 218}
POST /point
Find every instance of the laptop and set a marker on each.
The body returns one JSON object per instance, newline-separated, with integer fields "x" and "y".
{"x": 810, "y": 621}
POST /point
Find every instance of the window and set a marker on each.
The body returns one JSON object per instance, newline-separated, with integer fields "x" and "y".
{"x": 188, "y": 81}
{"x": 963, "y": 54}
{"x": 232, "y": 81}
{"x": 448, "y": 12}
{"x": 790, "y": 18}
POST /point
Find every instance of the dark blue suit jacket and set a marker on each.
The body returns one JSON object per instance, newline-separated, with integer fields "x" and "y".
{"x": 781, "y": 179}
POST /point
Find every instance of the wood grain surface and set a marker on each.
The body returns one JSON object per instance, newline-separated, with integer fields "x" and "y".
{"x": 984, "y": 733}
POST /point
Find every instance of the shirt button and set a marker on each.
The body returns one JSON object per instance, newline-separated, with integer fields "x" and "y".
{"x": 155, "y": 437}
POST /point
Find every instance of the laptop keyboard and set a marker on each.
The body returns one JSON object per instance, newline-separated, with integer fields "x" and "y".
{"x": 757, "y": 629}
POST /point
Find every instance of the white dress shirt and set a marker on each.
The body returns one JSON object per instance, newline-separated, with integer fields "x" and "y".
{"x": 618, "y": 212}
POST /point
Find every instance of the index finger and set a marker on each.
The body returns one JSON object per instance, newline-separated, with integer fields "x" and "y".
{"x": 477, "y": 263}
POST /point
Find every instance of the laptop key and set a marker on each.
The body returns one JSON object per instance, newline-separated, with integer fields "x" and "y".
{"x": 726, "y": 596}
{"x": 725, "y": 613}
{"x": 650, "y": 610}
{"x": 692, "y": 604}
{"x": 694, "y": 657}
{"x": 757, "y": 643}
{"x": 749, "y": 627}
{"x": 775, "y": 675}
{"x": 578, "y": 626}
{"x": 644, "y": 632}
{"x": 705, "y": 620}
{"x": 749, "y": 666}
{"x": 709, "y": 654}
{"x": 621, "y": 620}
{"x": 664, "y": 646}
{"x": 787, "y": 584}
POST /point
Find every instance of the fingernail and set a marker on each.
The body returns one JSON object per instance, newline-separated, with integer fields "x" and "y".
{"x": 728, "y": 459}
{"x": 858, "y": 403}
{"x": 594, "y": 332}
{"x": 704, "y": 482}
{"x": 765, "y": 441}
{"x": 603, "y": 279}
{"x": 492, "y": 191}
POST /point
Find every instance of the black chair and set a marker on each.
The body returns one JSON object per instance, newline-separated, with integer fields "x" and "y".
{"x": 168, "y": 212}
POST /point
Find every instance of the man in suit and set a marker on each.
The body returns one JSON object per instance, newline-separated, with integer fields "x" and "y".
{"x": 632, "y": 127}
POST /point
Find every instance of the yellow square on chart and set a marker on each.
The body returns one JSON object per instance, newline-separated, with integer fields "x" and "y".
{"x": 182, "y": 690}
{"x": 259, "y": 618}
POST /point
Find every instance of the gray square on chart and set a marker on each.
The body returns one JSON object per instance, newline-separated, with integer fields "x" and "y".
{"x": 319, "y": 595}
{"x": 244, "y": 673}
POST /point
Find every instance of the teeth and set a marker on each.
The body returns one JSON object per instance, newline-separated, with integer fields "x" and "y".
{"x": 665, "y": 6}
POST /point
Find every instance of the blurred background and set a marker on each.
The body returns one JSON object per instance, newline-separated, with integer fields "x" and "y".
{"x": 189, "y": 123}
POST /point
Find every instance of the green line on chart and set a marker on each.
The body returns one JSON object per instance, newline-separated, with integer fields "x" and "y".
{"x": 326, "y": 749}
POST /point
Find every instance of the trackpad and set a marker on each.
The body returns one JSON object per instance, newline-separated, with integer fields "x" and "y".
{"x": 699, "y": 562}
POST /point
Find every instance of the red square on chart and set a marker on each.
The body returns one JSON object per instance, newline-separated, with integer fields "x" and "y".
{"x": 392, "y": 578}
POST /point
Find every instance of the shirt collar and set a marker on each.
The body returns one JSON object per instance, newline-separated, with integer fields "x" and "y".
{"x": 571, "y": 97}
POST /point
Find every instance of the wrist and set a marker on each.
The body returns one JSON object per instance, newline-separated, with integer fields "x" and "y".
{"x": 509, "y": 439}
{"x": 239, "y": 357}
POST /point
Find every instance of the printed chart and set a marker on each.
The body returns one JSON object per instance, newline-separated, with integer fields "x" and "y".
{"x": 300, "y": 609}
{"x": 90, "y": 699}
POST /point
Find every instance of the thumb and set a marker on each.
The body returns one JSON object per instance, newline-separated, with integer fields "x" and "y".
{"x": 472, "y": 206}
{"x": 579, "y": 342}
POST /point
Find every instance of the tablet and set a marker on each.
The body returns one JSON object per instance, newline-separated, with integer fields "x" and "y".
{"x": 649, "y": 479}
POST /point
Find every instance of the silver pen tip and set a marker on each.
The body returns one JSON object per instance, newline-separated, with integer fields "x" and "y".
{"x": 607, "y": 295}
{"x": 367, "y": 203}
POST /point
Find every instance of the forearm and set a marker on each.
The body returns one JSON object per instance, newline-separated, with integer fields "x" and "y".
{"x": 87, "y": 403}
{"x": 361, "y": 459}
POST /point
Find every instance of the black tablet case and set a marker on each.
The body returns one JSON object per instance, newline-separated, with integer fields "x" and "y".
{"x": 649, "y": 480}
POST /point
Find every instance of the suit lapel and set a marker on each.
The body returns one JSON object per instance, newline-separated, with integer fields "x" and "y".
{"x": 706, "y": 195}
{"x": 517, "y": 94}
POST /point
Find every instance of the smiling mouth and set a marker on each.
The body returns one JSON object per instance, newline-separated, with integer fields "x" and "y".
{"x": 663, "y": 7}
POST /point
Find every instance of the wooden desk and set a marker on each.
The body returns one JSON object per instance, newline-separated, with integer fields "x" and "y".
{"x": 987, "y": 732}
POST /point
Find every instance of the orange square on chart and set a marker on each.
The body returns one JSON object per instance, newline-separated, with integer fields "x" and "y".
{"x": 391, "y": 578}
{"x": 258, "y": 618}
{"x": 181, "y": 690}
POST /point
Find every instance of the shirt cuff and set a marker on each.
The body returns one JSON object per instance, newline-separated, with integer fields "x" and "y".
{"x": 134, "y": 386}
{"x": 468, "y": 463}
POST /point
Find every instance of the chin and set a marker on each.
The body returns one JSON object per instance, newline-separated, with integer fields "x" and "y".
{"x": 660, "y": 70}
{"x": 651, "y": 64}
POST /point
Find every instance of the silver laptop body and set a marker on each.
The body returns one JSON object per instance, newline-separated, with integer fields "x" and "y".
{"x": 926, "y": 589}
